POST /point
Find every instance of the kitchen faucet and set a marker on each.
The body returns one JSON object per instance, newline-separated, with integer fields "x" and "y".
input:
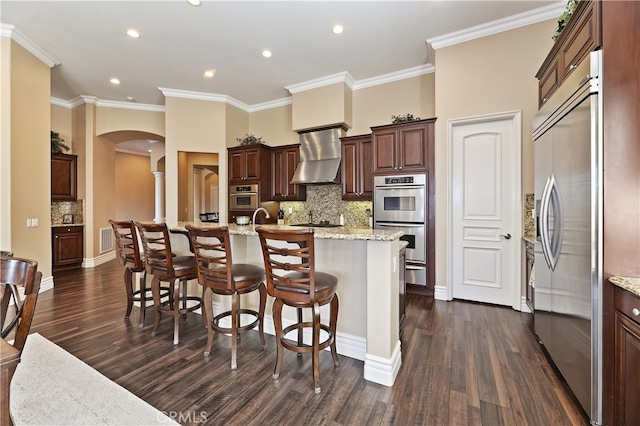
{"x": 266, "y": 215}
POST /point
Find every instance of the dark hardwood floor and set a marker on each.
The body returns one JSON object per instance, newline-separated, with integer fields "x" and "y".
{"x": 462, "y": 363}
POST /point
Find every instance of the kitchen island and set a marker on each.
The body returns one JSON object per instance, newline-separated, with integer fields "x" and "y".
{"x": 366, "y": 264}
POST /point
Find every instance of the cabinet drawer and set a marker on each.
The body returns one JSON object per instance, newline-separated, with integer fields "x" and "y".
{"x": 628, "y": 304}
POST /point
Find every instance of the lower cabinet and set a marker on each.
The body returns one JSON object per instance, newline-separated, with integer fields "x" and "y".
{"x": 627, "y": 358}
{"x": 67, "y": 246}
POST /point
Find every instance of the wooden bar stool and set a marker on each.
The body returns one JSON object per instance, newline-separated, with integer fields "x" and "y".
{"x": 218, "y": 274}
{"x": 289, "y": 260}
{"x": 15, "y": 273}
{"x": 160, "y": 262}
{"x": 128, "y": 252}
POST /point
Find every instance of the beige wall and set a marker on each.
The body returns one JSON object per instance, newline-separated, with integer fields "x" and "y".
{"x": 5, "y": 143}
{"x": 321, "y": 107}
{"x": 134, "y": 187}
{"x": 193, "y": 126}
{"x": 374, "y": 106}
{"x": 273, "y": 125}
{"x": 110, "y": 119}
{"x": 236, "y": 124}
{"x": 488, "y": 75}
{"x": 61, "y": 123}
{"x": 26, "y": 160}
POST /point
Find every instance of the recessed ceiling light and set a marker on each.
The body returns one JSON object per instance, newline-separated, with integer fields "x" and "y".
{"x": 131, "y": 99}
{"x": 338, "y": 29}
{"x": 209, "y": 73}
{"x": 266, "y": 53}
{"x": 133, "y": 33}
{"x": 194, "y": 2}
{"x": 114, "y": 81}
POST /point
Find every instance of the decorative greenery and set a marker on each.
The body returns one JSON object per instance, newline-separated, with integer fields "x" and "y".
{"x": 564, "y": 18}
{"x": 397, "y": 119}
{"x": 249, "y": 139}
{"x": 57, "y": 143}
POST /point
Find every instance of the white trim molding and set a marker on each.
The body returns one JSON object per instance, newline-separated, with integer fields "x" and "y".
{"x": 383, "y": 370}
{"x": 92, "y": 262}
{"x": 7, "y": 30}
{"x": 552, "y": 11}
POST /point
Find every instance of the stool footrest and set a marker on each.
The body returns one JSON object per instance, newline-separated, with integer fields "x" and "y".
{"x": 293, "y": 345}
{"x": 241, "y": 329}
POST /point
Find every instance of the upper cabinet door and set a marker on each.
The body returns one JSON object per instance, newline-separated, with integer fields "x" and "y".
{"x": 403, "y": 148}
{"x": 284, "y": 160}
{"x": 357, "y": 164}
{"x": 64, "y": 175}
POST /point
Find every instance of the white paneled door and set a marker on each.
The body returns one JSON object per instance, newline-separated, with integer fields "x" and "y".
{"x": 485, "y": 206}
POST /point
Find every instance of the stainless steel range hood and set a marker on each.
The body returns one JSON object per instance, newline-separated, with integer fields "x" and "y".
{"x": 319, "y": 157}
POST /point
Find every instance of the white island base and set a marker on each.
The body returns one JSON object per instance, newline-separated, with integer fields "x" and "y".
{"x": 366, "y": 264}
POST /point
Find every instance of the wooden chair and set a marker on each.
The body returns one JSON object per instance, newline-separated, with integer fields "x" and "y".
{"x": 128, "y": 252}
{"x": 218, "y": 274}
{"x": 160, "y": 262}
{"x": 15, "y": 273}
{"x": 289, "y": 260}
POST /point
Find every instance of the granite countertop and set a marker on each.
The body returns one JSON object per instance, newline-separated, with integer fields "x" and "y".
{"x": 529, "y": 238}
{"x": 338, "y": 233}
{"x": 64, "y": 225}
{"x": 631, "y": 284}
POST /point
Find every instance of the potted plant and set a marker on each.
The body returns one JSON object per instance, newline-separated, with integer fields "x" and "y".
{"x": 57, "y": 143}
{"x": 397, "y": 119}
{"x": 564, "y": 18}
{"x": 249, "y": 139}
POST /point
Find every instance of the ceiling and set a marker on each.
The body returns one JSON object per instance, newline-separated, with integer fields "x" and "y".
{"x": 87, "y": 42}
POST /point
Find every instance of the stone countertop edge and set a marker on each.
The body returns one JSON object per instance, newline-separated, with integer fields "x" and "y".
{"x": 338, "y": 233}
{"x": 631, "y": 284}
{"x": 529, "y": 238}
{"x": 64, "y": 225}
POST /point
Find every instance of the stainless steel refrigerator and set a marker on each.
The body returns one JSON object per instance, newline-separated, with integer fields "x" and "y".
{"x": 568, "y": 254}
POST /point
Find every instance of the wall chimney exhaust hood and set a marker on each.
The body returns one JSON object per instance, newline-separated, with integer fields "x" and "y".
{"x": 320, "y": 155}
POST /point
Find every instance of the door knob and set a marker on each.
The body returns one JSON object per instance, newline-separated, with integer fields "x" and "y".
{"x": 506, "y": 237}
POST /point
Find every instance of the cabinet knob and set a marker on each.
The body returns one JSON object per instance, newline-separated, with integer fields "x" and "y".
{"x": 636, "y": 312}
{"x": 57, "y": 237}
{"x": 573, "y": 66}
{"x": 544, "y": 100}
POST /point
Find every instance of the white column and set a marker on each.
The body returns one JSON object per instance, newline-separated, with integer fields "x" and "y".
{"x": 197, "y": 195}
{"x": 159, "y": 186}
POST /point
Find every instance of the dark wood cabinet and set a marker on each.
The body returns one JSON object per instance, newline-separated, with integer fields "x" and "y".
{"x": 67, "y": 246}
{"x": 357, "y": 168}
{"x": 627, "y": 358}
{"x": 403, "y": 148}
{"x": 581, "y": 35}
{"x": 249, "y": 164}
{"x": 64, "y": 176}
{"x": 284, "y": 160}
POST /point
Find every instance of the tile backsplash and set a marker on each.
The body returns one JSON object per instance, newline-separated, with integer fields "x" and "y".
{"x": 60, "y": 208}
{"x": 326, "y": 203}
{"x": 528, "y": 222}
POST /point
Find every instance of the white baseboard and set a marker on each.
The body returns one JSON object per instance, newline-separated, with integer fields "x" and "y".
{"x": 383, "y": 370}
{"x": 346, "y": 344}
{"x": 440, "y": 293}
{"x": 523, "y": 305}
{"x": 92, "y": 262}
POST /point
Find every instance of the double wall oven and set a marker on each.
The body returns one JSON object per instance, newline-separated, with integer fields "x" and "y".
{"x": 400, "y": 204}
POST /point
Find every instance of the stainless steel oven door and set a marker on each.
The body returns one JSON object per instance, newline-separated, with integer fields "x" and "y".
{"x": 414, "y": 234}
{"x": 400, "y": 204}
{"x": 243, "y": 201}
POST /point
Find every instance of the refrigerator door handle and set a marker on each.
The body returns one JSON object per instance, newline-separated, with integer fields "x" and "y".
{"x": 544, "y": 222}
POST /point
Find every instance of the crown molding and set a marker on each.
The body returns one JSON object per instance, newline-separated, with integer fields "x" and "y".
{"x": 341, "y": 77}
{"x": 7, "y": 30}
{"x": 394, "y": 76}
{"x": 270, "y": 104}
{"x": 552, "y": 11}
